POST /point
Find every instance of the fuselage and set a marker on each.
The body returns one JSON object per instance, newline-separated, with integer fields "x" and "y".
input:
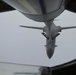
{"x": 50, "y": 47}
{"x": 39, "y": 10}
{"x": 51, "y": 31}
{"x": 42, "y": 11}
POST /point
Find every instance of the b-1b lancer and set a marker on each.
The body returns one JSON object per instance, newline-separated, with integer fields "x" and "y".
{"x": 43, "y": 11}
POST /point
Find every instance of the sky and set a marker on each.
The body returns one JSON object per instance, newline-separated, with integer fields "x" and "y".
{"x": 26, "y": 46}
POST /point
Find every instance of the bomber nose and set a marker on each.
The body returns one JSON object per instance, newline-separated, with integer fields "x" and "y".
{"x": 50, "y": 53}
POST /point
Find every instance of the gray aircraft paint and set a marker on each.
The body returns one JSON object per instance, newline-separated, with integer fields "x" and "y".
{"x": 16, "y": 43}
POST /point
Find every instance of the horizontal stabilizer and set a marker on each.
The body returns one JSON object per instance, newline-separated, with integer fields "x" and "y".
{"x": 40, "y": 28}
{"x": 62, "y": 28}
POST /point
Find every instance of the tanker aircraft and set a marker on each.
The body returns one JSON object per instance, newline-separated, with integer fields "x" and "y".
{"x": 42, "y": 11}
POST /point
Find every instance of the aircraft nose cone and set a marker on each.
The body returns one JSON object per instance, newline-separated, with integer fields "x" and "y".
{"x": 50, "y": 53}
